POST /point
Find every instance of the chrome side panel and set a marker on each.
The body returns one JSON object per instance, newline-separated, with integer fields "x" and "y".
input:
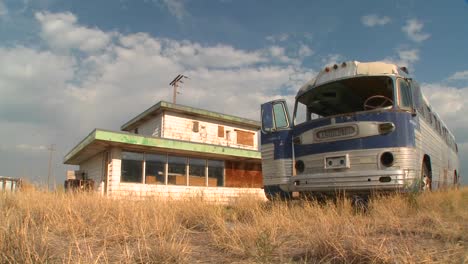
{"x": 364, "y": 172}
{"x": 275, "y": 172}
{"x": 444, "y": 161}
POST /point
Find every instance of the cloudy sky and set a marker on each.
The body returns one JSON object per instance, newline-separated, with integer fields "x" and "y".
{"x": 67, "y": 67}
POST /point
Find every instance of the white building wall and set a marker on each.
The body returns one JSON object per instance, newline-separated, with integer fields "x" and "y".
{"x": 114, "y": 171}
{"x": 177, "y": 192}
{"x": 93, "y": 169}
{"x": 174, "y": 192}
{"x": 178, "y": 126}
{"x": 151, "y": 127}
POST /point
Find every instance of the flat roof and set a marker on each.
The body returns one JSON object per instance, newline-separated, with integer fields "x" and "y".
{"x": 163, "y": 105}
{"x": 99, "y": 140}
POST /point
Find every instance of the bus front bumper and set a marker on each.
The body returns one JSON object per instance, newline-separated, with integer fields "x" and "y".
{"x": 354, "y": 182}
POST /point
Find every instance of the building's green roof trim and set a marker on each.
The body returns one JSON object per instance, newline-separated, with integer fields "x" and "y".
{"x": 112, "y": 138}
{"x": 163, "y": 105}
{"x": 85, "y": 142}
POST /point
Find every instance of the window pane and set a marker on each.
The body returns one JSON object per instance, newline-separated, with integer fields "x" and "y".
{"x": 197, "y": 172}
{"x": 176, "y": 170}
{"x": 215, "y": 173}
{"x": 302, "y": 114}
{"x": 154, "y": 169}
{"x": 280, "y": 116}
{"x": 132, "y": 167}
{"x": 405, "y": 94}
{"x": 267, "y": 118}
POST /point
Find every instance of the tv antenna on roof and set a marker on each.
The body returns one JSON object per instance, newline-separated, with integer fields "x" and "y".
{"x": 175, "y": 84}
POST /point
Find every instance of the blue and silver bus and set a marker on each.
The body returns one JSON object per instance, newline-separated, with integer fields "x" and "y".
{"x": 356, "y": 128}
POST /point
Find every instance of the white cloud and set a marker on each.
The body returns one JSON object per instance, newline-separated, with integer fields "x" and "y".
{"x": 413, "y": 30}
{"x": 279, "y": 53}
{"x": 405, "y": 57}
{"x": 408, "y": 56}
{"x": 195, "y": 55}
{"x": 451, "y": 104}
{"x": 463, "y": 75}
{"x": 278, "y": 38}
{"x": 375, "y": 20}
{"x": 50, "y": 96}
{"x": 60, "y": 31}
{"x": 175, "y": 7}
{"x": 305, "y": 51}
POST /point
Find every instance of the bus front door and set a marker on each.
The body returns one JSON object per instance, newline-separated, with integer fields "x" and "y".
{"x": 276, "y": 148}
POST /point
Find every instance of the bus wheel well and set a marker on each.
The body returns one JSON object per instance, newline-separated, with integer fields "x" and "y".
{"x": 427, "y": 162}
{"x": 456, "y": 179}
{"x": 426, "y": 174}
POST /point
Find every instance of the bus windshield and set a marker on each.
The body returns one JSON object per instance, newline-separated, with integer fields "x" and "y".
{"x": 349, "y": 95}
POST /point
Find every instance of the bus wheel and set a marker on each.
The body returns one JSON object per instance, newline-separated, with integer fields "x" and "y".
{"x": 426, "y": 181}
{"x": 274, "y": 192}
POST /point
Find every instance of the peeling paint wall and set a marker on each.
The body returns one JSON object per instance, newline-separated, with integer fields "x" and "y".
{"x": 181, "y": 127}
{"x": 151, "y": 127}
{"x": 216, "y": 194}
{"x": 113, "y": 171}
{"x": 93, "y": 169}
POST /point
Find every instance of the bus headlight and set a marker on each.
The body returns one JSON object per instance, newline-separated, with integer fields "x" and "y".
{"x": 386, "y": 128}
{"x": 300, "y": 166}
{"x": 387, "y": 159}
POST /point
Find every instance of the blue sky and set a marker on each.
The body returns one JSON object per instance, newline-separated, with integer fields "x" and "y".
{"x": 67, "y": 67}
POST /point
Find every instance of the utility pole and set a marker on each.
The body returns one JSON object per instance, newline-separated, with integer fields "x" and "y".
{"x": 51, "y": 150}
{"x": 175, "y": 83}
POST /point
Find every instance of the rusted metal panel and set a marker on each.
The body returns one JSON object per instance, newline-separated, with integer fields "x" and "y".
{"x": 243, "y": 174}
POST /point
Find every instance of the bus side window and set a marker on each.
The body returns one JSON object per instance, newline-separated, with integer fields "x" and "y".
{"x": 405, "y": 95}
{"x": 418, "y": 101}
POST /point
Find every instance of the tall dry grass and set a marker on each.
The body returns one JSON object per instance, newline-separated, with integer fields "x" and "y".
{"x": 37, "y": 227}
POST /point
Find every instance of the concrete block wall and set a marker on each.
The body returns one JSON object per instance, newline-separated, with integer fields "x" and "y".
{"x": 152, "y": 127}
{"x": 113, "y": 171}
{"x": 93, "y": 169}
{"x": 178, "y": 126}
{"x": 210, "y": 194}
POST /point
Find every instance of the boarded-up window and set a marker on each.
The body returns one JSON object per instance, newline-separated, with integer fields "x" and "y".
{"x": 195, "y": 127}
{"x": 245, "y": 138}
{"x": 243, "y": 174}
{"x": 220, "y": 131}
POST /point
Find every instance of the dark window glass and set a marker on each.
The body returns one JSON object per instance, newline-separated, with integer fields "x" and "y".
{"x": 405, "y": 94}
{"x": 154, "y": 168}
{"x": 132, "y": 167}
{"x": 215, "y": 173}
{"x": 177, "y": 170}
{"x": 197, "y": 172}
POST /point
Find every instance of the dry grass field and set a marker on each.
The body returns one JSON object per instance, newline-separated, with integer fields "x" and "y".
{"x": 37, "y": 227}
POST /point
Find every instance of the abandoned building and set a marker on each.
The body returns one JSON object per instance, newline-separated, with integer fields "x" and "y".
{"x": 172, "y": 150}
{"x": 9, "y": 184}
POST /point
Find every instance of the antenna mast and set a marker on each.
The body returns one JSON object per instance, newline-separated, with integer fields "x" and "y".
{"x": 175, "y": 84}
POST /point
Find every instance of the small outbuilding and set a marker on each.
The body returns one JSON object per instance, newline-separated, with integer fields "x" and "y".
{"x": 172, "y": 150}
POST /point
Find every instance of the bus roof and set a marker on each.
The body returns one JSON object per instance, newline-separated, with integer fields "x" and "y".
{"x": 349, "y": 69}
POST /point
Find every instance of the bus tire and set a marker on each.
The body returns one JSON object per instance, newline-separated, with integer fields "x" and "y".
{"x": 274, "y": 192}
{"x": 426, "y": 179}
